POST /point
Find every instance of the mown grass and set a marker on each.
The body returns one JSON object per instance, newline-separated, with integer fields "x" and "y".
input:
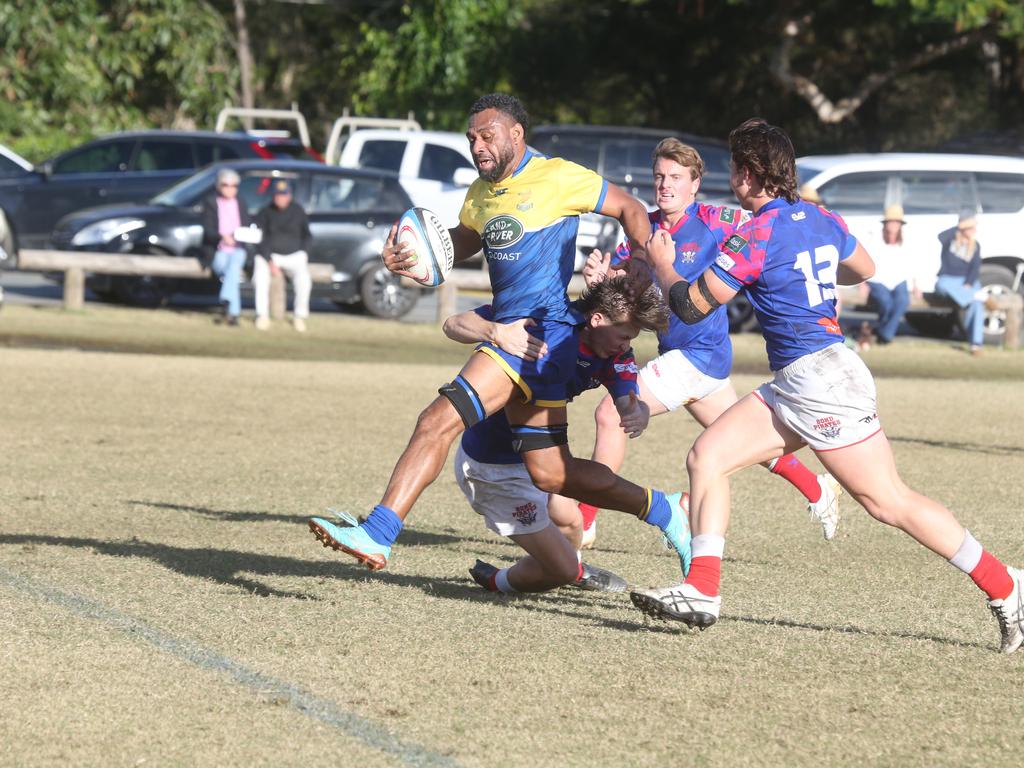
{"x": 172, "y": 488}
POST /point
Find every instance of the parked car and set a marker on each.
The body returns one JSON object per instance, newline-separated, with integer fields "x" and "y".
{"x": 123, "y": 167}
{"x": 933, "y": 189}
{"x": 435, "y": 167}
{"x": 350, "y": 214}
{"x": 13, "y": 164}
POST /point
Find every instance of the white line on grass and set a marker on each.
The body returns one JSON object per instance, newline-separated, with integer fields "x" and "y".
{"x": 311, "y": 706}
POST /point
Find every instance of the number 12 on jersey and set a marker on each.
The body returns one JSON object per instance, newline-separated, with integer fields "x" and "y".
{"x": 819, "y": 273}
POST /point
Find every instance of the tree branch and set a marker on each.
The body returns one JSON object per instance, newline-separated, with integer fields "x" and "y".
{"x": 831, "y": 112}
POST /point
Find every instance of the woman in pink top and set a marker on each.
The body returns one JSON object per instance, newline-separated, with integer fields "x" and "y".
{"x": 222, "y": 215}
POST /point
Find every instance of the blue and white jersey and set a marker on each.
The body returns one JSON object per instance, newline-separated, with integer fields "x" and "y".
{"x": 786, "y": 258}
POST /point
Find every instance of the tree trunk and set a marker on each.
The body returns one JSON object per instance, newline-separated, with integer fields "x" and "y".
{"x": 245, "y": 65}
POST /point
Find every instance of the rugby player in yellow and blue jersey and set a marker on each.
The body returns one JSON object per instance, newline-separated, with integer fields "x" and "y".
{"x": 523, "y": 212}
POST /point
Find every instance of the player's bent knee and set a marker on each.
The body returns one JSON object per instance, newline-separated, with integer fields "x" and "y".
{"x": 606, "y": 416}
{"x": 465, "y": 400}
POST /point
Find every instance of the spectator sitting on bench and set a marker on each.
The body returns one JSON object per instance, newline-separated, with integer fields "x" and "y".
{"x": 888, "y": 287}
{"x": 958, "y": 277}
{"x": 222, "y": 215}
{"x": 286, "y": 240}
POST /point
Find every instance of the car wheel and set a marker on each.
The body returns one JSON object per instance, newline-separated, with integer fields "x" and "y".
{"x": 995, "y": 280}
{"x": 741, "y": 314}
{"x": 144, "y": 291}
{"x": 384, "y": 294}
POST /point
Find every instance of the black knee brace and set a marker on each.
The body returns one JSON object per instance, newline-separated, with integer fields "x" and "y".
{"x": 535, "y": 438}
{"x": 463, "y": 397}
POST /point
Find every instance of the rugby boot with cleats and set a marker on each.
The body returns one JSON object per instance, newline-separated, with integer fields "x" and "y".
{"x": 596, "y": 579}
{"x": 483, "y": 574}
{"x": 351, "y": 539}
{"x": 680, "y": 602}
{"x": 826, "y": 509}
{"x": 589, "y": 536}
{"x": 677, "y": 532}
{"x": 1009, "y": 612}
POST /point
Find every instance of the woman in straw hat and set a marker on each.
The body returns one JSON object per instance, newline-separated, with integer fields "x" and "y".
{"x": 958, "y": 276}
{"x": 889, "y": 288}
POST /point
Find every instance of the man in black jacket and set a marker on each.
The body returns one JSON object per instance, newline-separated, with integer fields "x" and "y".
{"x": 286, "y": 240}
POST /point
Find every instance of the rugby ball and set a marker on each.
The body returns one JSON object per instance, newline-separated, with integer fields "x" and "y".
{"x": 423, "y": 232}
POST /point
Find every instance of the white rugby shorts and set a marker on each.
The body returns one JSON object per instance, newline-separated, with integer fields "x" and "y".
{"x": 827, "y": 397}
{"x": 504, "y": 494}
{"x": 675, "y": 381}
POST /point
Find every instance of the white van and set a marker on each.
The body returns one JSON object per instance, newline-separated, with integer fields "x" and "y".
{"x": 933, "y": 190}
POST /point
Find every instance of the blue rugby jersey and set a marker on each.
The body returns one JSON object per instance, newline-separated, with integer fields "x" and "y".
{"x": 490, "y": 441}
{"x": 786, "y": 258}
{"x": 696, "y": 236}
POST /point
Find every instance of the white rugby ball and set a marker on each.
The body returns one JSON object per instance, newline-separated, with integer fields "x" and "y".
{"x": 423, "y": 232}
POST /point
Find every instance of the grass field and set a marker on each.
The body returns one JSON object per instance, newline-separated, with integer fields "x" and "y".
{"x": 163, "y": 603}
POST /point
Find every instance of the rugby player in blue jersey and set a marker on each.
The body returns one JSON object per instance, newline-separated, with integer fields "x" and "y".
{"x": 491, "y": 474}
{"x": 523, "y": 212}
{"x": 693, "y": 363}
{"x": 789, "y": 258}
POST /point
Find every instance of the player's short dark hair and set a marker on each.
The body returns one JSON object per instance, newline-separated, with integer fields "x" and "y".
{"x": 505, "y": 103}
{"x": 688, "y": 157}
{"x": 613, "y": 298}
{"x": 766, "y": 151}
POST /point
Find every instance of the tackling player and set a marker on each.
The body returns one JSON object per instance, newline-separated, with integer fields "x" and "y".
{"x": 492, "y": 475}
{"x": 693, "y": 364}
{"x": 524, "y": 212}
{"x": 789, "y": 258}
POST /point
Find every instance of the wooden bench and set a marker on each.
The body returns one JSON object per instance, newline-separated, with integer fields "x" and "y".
{"x": 1010, "y": 305}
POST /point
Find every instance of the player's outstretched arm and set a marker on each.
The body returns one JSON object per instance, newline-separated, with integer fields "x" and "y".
{"x": 634, "y": 414}
{"x": 470, "y": 328}
{"x": 631, "y": 214}
{"x": 856, "y": 268}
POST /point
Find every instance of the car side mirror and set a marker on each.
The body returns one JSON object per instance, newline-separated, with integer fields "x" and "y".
{"x": 464, "y": 176}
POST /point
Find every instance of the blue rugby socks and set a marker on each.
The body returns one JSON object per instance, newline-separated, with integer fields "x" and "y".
{"x": 383, "y": 525}
{"x": 657, "y": 511}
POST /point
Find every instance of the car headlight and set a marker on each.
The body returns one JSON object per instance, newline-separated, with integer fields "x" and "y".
{"x": 104, "y": 231}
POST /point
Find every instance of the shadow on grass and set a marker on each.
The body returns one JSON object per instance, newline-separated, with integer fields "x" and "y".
{"x": 410, "y": 536}
{"x": 954, "y": 445}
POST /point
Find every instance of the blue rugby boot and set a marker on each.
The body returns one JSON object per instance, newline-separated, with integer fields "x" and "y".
{"x": 352, "y": 539}
{"x": 677, "y": 531}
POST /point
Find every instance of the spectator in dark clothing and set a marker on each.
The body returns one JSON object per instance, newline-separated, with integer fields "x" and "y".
{"x": 958, "y": 277}
{"x": 222, "y": 215}
{"x": 285, "y": 248}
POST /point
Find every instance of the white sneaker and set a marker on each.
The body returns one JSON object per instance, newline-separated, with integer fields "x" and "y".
{"x": 262, "y": 323}
{"x": 589, "y": 536}
{"x": 826, "y": 509}
{"x": 681, "y": 602}
{"x": 1009, "y": 612}
{"x": 299, "y": 324}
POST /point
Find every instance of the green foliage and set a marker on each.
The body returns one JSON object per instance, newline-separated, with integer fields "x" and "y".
{"x": 433, "y": 58}
{"x": 75, "y": 68}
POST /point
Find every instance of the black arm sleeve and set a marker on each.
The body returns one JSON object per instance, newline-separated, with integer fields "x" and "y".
{"x": 679, "y": 301}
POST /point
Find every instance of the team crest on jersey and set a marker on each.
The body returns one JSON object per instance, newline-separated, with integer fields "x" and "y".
{"x": 526, "y": 514}
{"x": 687, "y": 252}
{"x": 502, "y": 231}
{"x": 828, "y": 426}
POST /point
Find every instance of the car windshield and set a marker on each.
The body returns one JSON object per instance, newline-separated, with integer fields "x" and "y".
{"x": 188, "y": 191}
{"x": 805, "y": 173}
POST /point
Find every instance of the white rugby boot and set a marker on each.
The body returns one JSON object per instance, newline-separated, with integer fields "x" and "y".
{"x": 679, "y": 602}
{"x": 1009, "y": 612}
{"x": 826, "y": 509}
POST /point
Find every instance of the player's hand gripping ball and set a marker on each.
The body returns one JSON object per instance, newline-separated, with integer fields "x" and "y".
{"x": 429, "y": 240}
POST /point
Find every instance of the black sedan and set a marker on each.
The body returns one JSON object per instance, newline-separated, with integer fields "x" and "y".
{"x": 350, "y": 213}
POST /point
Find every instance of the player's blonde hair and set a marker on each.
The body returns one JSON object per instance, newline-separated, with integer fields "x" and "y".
{"x": 688, "y": 157}
{"x": 613, "y": 297}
